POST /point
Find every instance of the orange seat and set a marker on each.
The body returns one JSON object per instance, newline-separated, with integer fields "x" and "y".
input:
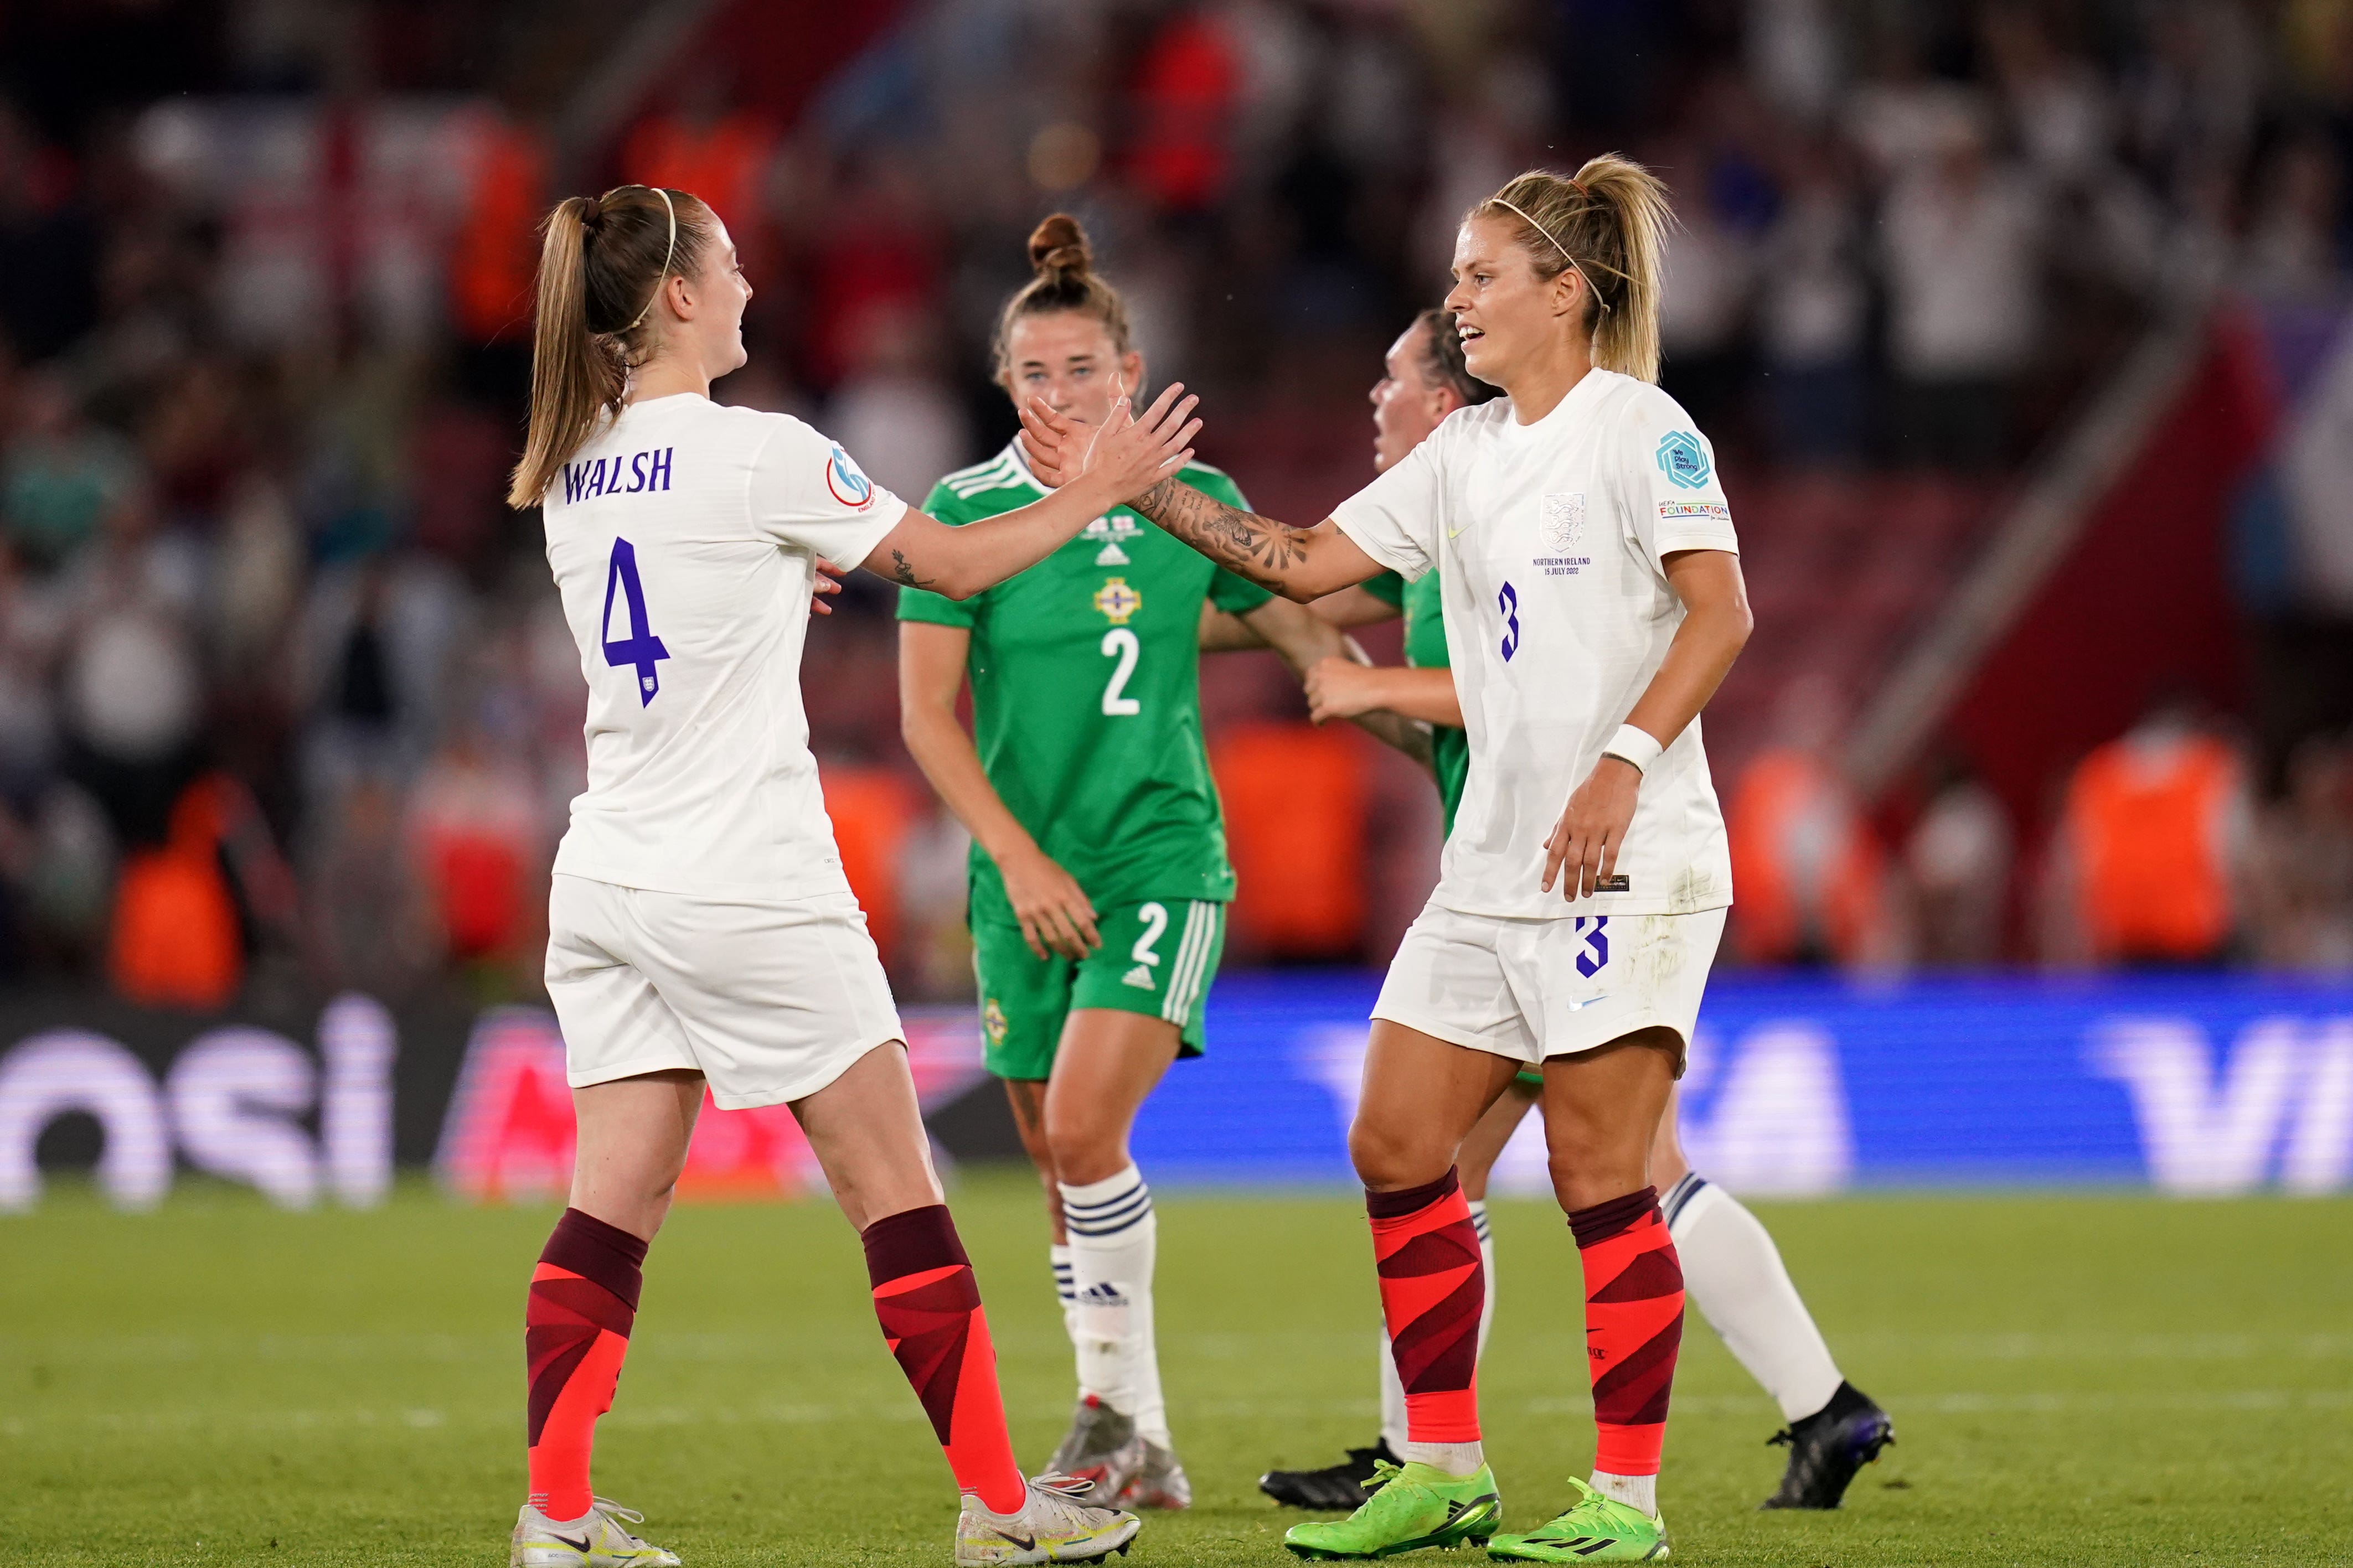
{"x": 1295, "y": 801}
{"x": 175, "y": 941}
{"x": 873, "y": 810}
{"x": 2144, "y": 827}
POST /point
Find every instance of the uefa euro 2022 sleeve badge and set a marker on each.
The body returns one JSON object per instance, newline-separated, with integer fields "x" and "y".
{"x": 1684, "y": 460}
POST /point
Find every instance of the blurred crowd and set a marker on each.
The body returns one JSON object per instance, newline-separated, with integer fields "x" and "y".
{"x": 286, "y": 698}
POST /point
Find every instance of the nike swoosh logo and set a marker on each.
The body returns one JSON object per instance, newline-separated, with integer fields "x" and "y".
{"x": 1456, "y": 532}
{"x": 1589, "y": 1002}
{"x": 581, "y": 1545}
{"x": 1027, "y": 1543}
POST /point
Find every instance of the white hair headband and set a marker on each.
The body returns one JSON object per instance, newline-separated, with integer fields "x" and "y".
{"x": 663, "y": 276}
{"x": 1557, "y": 245}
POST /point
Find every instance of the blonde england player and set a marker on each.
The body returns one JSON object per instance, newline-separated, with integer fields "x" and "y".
{"x": 1593, "y": 603}
{"x": 701, "y": 929}
{"x": 1732, "y": 1269}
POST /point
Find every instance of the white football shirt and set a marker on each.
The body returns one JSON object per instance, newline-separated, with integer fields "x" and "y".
{"x": 1550, "y": 538}
{"x": 683, "y": 538}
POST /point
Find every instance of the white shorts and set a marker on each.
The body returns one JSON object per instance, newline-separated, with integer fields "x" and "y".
{"x": 1532, "y": 989}
{"x": 769, "y": 1001}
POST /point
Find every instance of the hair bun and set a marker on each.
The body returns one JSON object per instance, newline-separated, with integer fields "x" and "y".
{"x": 1059, "y": 249}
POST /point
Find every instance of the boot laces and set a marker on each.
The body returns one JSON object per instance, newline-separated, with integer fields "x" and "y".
{"x": 612, "y": 1510}
{"x": 1059, "y": 1496}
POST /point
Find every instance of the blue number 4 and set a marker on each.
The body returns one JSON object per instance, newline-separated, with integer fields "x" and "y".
{"x": 643, "y": 647}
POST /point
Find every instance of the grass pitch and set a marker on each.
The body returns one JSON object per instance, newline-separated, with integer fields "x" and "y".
{"x": 2080, "y": 1380}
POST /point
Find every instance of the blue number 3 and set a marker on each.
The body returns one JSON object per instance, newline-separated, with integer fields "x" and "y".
{"x": 1595, "y": 955}
{"x": 643, "y": 647}
{"x": 1508, "y": 601}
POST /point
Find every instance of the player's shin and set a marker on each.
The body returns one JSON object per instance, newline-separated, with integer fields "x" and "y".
{"x": 1393, "y": 1421}
{"x": 929, "y": 1307}
{"x": 1633, "y": 1328}
{"x": 1115, "y": 1243}
{"x": 576, "y": 1323}
{"x": 1433, "y": 1295}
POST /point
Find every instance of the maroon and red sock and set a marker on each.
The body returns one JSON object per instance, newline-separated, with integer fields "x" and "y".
{"x": 1433, "y": 1288}
{"x": 929, "y": 1305}
{"x": 583, "y": 1302}
{"x": 1633, "y": 1327}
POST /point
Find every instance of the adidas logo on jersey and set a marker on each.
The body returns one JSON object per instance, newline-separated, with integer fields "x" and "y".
{"x": 1140, "y": 977}
{"x": 1108, "y": 531}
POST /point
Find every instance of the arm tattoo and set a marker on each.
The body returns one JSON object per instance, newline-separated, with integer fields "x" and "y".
{"x": 904, "y": 570}
{"x": 1250, "y": 546}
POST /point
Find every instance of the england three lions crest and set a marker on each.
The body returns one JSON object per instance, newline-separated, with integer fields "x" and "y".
{"x": 1564, "y": 518}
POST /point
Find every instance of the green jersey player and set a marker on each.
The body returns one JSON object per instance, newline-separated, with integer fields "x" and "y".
{"x": 1099, "y": 878}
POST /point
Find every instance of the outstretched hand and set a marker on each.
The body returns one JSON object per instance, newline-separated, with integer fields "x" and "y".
{"x": 1130, "y": 454}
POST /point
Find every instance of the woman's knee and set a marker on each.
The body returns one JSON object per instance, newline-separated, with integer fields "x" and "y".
{"x": 1084, "y": 1143}
{"x": 1389, "y": 1157}
{"x": 1585, "y": 1173}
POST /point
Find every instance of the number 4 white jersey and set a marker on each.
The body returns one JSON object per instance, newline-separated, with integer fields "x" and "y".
{"x": 1550, "y": 537}
{"x": 684, "y": 539}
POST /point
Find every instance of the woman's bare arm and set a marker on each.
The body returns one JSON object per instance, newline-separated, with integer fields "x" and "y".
{"x": 1583, "y": 846}
{"x": 1300, "y": 564}
{"x": 1339, "y": 689}
{"x": 1054, "y": 912}
{"x": 1128, "y": 455}
{"x": 1357, "y": 606}
{"x": 1224, "y": 632}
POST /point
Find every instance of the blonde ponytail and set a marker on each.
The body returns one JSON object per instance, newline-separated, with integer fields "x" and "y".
{"x": 1608, "y": 222}
{"x": 601, "y": 263}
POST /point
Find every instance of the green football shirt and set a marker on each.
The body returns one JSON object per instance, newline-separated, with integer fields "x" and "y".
{"x": 1425, "y": 648}
{"x": 1086, "y": 694}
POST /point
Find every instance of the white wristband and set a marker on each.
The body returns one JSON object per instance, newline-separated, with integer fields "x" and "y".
{"x": 1634, "y": 747}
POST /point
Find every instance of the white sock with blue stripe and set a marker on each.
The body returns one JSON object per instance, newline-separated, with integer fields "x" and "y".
{"x": 1066, "y": 1290}
{"x": 1732, "y": 1273}
{"x": 1113, "y": 1239}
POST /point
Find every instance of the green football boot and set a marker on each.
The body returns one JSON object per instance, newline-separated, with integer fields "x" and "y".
{"x": 1411, "y": 1506}
{"x": 1597, "y": 1530}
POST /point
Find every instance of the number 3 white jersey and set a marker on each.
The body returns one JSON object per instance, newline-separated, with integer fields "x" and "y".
{"x": 683, "y": 538}
{"x": 1550, "y": 538}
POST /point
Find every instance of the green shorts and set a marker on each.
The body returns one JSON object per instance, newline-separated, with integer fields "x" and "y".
{"x": 1157, "y": 958}
{"x": 1534, "y": 1076}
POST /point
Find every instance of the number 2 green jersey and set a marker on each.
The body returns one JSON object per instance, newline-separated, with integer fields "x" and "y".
{"x": 1425, "y": 648}
{"x": 1086, "y": 694}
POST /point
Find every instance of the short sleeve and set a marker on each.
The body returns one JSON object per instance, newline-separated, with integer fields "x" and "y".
{"x": 1395, "y": 519}
{"x": 1234, "y": 595}
{"x": 1388, "y": 588}
{"x": 921, "y": 604}
{"x": 809, "y": 494}
{"x": 1668, "y": 471}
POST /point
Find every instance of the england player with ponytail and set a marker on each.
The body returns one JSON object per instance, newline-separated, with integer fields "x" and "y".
{"x": 1593, "y": 603}
{"x": 702, "y": 932}
{"x": 1733, "y": 1271}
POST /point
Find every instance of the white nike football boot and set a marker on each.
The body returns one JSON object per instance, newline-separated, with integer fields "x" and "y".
{"x": 595, "y": 1540}
{"x": 1052, "y": 1527}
